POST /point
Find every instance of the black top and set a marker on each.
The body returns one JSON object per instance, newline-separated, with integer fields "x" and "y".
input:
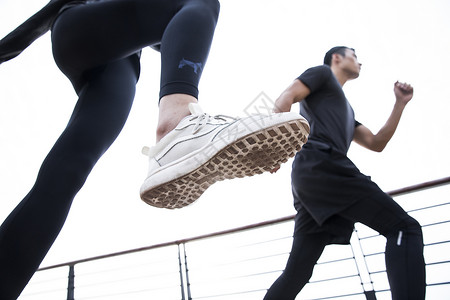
{"x": 327, "y": 110}
{"x": 324, "y": 180}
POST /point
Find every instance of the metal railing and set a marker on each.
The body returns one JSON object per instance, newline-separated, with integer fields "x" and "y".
{"x": 241, "y": 263}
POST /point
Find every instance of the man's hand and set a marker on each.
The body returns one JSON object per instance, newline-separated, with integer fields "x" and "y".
{"x": 403, "y": 92}
{"x": 377, "y": 142}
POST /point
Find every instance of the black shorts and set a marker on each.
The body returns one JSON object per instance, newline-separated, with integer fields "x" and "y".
{"x": 325, "y": 185}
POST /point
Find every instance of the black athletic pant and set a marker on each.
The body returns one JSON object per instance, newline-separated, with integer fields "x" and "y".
{"x": 95, "y": 45}
{"x": 404, "y": 251}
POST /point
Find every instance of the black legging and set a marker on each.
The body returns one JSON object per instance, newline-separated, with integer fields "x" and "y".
{"x": 404, "y": 251}
{"x": 95, "y": 46}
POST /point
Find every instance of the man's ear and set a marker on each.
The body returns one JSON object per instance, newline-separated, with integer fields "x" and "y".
{"x": 336, "y": 58}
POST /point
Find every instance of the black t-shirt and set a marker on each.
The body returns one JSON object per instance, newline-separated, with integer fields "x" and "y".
{"x": 327, "y": 110}
{"x": 324, "y": 180}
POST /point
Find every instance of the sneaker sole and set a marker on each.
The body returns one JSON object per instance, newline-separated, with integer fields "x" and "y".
{"x": 250, "y": 155}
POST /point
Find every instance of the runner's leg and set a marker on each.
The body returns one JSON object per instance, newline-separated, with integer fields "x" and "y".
{"x": 404, "y": 246}
{"x": 30, "y": 230}
{"x": 306, "y": 250}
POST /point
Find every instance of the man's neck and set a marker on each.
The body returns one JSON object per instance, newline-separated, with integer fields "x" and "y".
{"x": 341, "y": 77}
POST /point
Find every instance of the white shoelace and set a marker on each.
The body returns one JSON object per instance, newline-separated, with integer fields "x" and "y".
{"x": 204, "y": 119}
{"x": 201, "y": 120}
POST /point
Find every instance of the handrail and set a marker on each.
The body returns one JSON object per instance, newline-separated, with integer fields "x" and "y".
{"x": 421, "y": 186}
{"x": 402, "y": 191}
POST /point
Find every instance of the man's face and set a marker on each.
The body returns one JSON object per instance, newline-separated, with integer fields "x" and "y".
{"x": 350, "y": 64}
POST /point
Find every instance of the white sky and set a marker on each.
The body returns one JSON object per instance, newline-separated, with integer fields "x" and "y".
{"x": 259, "y": 46}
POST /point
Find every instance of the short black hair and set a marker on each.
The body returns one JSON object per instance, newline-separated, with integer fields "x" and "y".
{"x": 338, "y": 49}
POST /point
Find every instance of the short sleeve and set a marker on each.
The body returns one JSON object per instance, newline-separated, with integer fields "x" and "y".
{"x": 315, "y": 77}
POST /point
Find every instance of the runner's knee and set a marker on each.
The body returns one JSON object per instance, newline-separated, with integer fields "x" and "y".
{"x": 213, "y": 6}
{"x": 408, "y": 226}
{"x": 208, "y": 8}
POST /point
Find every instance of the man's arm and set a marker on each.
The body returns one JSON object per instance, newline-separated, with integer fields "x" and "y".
{"x": 377, "y": 142}
{"x": 295, "y": 92}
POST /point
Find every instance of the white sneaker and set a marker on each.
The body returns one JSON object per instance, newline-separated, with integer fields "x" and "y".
{"x": 204, "y": 149}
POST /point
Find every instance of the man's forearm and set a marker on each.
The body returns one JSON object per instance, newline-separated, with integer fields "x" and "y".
{"x": 385, "y": 134}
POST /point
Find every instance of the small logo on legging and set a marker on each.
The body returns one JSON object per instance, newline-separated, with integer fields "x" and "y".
{"x": 196, "y": 66}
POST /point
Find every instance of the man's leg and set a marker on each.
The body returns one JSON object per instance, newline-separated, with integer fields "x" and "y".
{"x": 306, "y": 250}
{"x": 30, "y": 230}
{"x": 182, "y": 29}
{"x": 184, "y": 50}
{"x": 404, "y": 247}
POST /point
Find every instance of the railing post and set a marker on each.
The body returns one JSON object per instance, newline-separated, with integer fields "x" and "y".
{"x": 180, "y": 264}
{"x": 188, "y": 283}
{"x": 369, "y": 292}
{"x": 370, "y": 295}
{"x": 71, "y": 284}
